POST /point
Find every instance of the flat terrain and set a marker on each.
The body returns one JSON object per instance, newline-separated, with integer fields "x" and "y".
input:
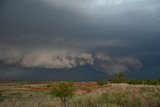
{"x": 87, "y": 94}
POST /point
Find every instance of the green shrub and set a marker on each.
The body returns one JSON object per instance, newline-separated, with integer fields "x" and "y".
{"x": 119, "y": 78}
{"x": 144, "y": 82}
{"x": 63, "y": 91}
{"x": 1, "y": 96}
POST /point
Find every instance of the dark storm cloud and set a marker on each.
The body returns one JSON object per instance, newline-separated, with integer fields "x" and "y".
{"x": 66, "y": 34}
{"x": 85, "y": 18}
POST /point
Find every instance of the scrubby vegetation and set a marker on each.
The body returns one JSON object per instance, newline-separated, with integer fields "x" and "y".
{"x": 63, "y": 91}
{"x": 121, "y": 96}
{"x": 144, "y": 82}
{"x": 119, "y": 78}
{"x": 81, "y": 94}
{"x": 1, "y": 96}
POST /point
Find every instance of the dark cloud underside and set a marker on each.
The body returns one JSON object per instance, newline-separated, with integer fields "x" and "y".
{"x": 110, "y": 36}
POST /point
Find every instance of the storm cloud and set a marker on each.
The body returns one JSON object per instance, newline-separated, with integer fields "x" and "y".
{"x": 80, "y": 19}
{"x": 113, "y": 65}
{"x": 61, "y": 59}
{"x": 109, "y": 35}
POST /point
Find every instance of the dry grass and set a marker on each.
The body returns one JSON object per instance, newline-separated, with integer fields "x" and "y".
{"x": 87, "y": 95}
{"x": 121, "y": 95}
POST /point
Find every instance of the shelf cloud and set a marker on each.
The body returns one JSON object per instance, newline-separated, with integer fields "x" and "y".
{"x": 67, "y": 59}
{"x": 111, "y": 36}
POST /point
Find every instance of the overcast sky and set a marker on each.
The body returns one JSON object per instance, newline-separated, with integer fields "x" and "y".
{"x": 112, "y": 36}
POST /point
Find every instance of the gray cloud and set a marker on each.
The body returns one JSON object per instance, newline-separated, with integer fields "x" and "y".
{"x": 112, "y": 65}
{"x": 67, "y": 34}
{"x": 46, "y": 58}
{"x": 52, "y": 52}
{"x": 52, "y": 60}
{"x": 80, "y": 19}
{"x": 67, "y": 58}
{"x": 113, "y": 68}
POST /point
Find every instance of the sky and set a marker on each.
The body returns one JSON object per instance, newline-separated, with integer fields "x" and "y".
{"x": 43, "y": 40}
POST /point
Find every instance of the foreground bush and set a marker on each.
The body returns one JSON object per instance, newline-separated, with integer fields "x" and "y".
{"x": 1, "y": 96}
{"x": 63, "y": 91}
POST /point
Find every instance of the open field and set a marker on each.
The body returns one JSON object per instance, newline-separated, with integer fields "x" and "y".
{"x": 87, "y": 94}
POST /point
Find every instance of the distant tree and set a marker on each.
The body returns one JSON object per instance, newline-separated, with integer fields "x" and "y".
{"x": 63, "y": 91}
{"x": 119, "y": 78}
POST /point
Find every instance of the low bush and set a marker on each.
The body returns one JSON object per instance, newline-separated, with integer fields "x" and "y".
{"x": 144, "y": 82}
{"x": 63, "y": 91}
{"x": 1, "y": 96}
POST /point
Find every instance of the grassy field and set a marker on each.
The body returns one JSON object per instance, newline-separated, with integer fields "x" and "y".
{"x": 87, "y": 94}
